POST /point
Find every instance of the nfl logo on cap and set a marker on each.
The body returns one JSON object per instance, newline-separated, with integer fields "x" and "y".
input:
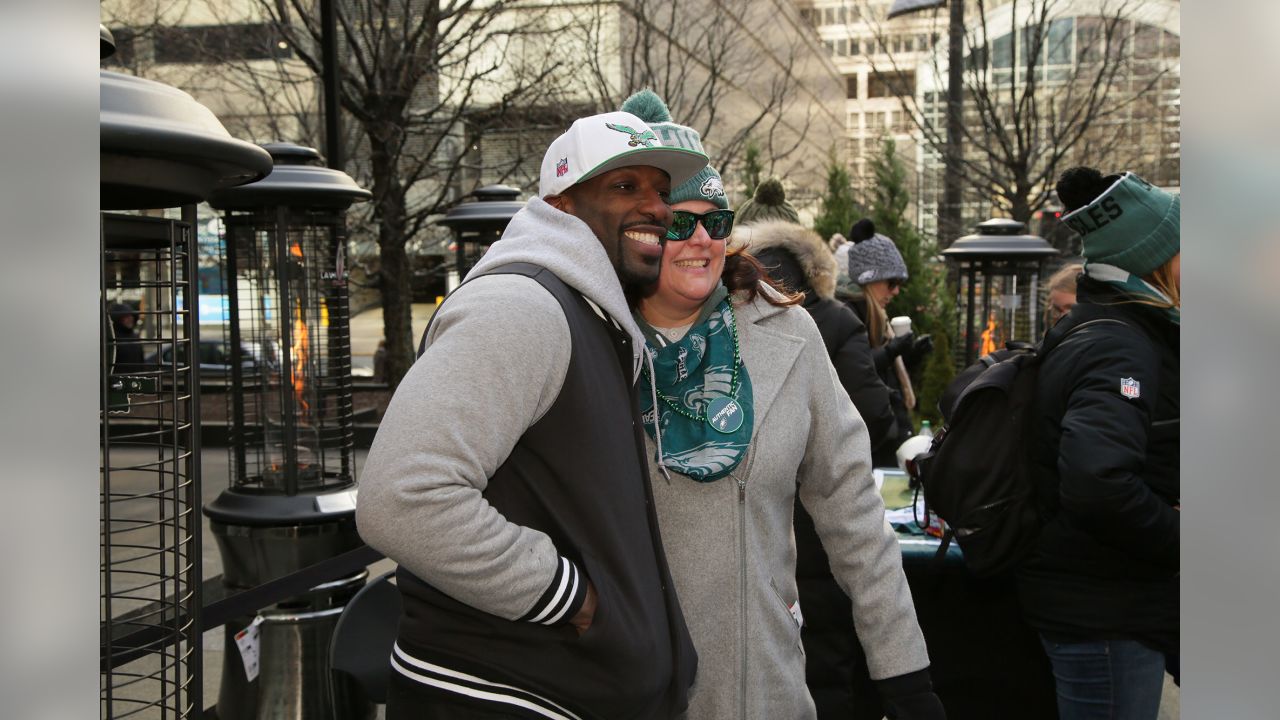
{"x": 600, "y": 143}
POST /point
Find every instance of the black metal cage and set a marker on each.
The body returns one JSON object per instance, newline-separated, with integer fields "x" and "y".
{"x": 159, "y": 149}
{"x": 289, "y": 329}
{"x": 150, "y": 548}
{"x": 996, "y": 275}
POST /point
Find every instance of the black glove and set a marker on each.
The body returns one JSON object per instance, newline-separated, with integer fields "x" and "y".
{"x": 921, "y": 706}
{"x": 911, "y": 697}
{"x": 920, "y": 349}
{"x": 899, "y": 345}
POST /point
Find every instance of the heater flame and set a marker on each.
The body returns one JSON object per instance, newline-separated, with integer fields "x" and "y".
{"x": 989, "y": 344}
{"x": 301, "y": 346}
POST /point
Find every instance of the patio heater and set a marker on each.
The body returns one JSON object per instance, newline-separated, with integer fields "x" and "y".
{"x": 478, "y": 223}
{"x": 996, "y": 273}
{"x": 159, "y": 149}
{"x": 291, "y": 502}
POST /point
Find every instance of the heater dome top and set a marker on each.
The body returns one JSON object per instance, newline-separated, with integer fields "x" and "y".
{"x": 160, "y": 148}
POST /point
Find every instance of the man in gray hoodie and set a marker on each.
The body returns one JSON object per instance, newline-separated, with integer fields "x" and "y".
{"x": 508, "y": 477}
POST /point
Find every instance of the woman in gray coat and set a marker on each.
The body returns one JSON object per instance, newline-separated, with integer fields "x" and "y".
{"x": 750, "y": 414}
{"x": 744, "y": 413}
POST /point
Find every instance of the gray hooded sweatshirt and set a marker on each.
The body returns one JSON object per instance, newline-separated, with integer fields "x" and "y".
{"x": 497, "y": 357}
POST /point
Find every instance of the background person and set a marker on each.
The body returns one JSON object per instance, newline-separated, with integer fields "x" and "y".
{"x": 127, "y": 344}
{"x": 744, "y": 414}
{"x": 507, "y": 476}
{"x": 877, "y": 268}
{"x": 1061, "y": 294}
{"x": 1102, "y": 585}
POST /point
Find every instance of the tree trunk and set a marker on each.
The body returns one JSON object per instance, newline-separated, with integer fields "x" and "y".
{"x": 394, "y": 272}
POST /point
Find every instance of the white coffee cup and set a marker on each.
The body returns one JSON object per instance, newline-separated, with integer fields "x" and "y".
{"x": 901, "y": 325}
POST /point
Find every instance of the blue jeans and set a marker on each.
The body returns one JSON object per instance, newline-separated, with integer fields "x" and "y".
{"x": 1106, "y": 679}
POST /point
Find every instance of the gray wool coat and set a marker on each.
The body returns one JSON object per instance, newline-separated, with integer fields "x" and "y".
{"x": 730, "y": 543}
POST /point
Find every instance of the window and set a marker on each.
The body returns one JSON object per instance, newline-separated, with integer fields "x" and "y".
{"x": 1059, "y": 50}
{"x": 851, "y": 89}
{"x": 1002, "y": 52}
{"x": 1146, "y": 42}
{"x": 829, "y": 16}
{"x": 853, "y": 46}
{"x": 842, "y": 47}
{"x": 899, "y": 84}
{"x": 875, "y": 122}
{"x": 1172, "y": 46}
{"x": 218, "y": 43}
{"x": 831, "y": 46}
{"x": 1090, "y": 34}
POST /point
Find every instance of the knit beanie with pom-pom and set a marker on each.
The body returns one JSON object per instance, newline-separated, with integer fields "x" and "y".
{"x": 873, "y": 256}
{"x": 1122, "y": 219}
{"x": 768, "y": 203}
{"x": 706, "y": 185}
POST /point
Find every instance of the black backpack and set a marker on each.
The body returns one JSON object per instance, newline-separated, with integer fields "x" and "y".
{"x": 977, "y": 474}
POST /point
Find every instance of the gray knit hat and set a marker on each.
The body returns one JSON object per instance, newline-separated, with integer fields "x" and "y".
{"x": 873, "y": 256}
{"x": 769, "y": 203}
{"x": 706, "y": 185}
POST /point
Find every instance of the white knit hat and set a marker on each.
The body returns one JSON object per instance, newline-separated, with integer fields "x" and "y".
{"x": 600, "y": 143}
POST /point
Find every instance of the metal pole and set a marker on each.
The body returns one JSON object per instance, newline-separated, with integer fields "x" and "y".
{"x": 239, "y": 435}
{"x": 949, "y": 216}
{"x": 195, "y": 568}
{"x": 332, "y": 80}
{"x": 970, "y": 302}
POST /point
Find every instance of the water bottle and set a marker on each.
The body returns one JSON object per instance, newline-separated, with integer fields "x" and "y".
{"x": 926, "y": 430}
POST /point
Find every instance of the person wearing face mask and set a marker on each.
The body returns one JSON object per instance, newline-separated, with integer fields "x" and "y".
{"x": 877, "y": 268}
{"x": 744, "y": 415}
{"x": 1101, "y": 586}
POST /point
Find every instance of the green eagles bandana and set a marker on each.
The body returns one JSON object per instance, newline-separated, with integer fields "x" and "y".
{"x": 1130, "y": 284}
{"x": 704, "y": 395}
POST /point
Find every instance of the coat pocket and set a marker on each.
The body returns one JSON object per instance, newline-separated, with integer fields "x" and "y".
{"x": 792, "y": 610}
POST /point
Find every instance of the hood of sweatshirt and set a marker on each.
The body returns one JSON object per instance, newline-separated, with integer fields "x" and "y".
{"x": 806, "y": 248}
{"x": 562, "y": 243}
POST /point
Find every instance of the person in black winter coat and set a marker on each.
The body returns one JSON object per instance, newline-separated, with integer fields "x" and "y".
{"x": 797, "y": 258}
{"x": 1102, "y": 585}
{"x": 126, "y": 343}
{"x": 877, "y": 268}
{"x": 835, "y": 670}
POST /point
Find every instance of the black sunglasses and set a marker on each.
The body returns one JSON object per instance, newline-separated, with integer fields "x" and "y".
{"x": 719, "y": 223}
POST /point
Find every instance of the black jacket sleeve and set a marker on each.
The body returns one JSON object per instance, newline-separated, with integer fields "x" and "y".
{"x": 852, "y": 357}
{"x": 1103, "y": 448}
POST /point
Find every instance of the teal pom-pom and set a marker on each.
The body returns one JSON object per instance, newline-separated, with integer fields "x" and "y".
{"x": 647, "y": 106}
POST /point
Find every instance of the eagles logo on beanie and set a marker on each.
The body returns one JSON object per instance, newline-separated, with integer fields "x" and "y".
{"x": 873, "y": 256}
{"x": 706, "y": 185}
{"x": 768, "y": 203}
{"x": 1122, "y": 219}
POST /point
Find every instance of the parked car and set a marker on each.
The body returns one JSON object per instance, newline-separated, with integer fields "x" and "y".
{"x": 215, "y": 357}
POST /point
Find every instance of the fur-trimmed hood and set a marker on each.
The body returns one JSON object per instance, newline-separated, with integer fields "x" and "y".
{"x": 804, "y": 245}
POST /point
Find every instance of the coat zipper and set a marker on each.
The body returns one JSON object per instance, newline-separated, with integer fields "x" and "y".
{"x": 742, "y": 592}
{"x": 742, "y": 575}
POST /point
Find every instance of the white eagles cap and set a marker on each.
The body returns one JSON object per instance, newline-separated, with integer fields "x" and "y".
{"x": 600, "y": 143}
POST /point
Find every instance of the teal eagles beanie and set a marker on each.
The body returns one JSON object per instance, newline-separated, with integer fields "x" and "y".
{"x": 768, "y": 203}
{"x": 706, "y": 185}
{"x": 1122, "y": 219}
